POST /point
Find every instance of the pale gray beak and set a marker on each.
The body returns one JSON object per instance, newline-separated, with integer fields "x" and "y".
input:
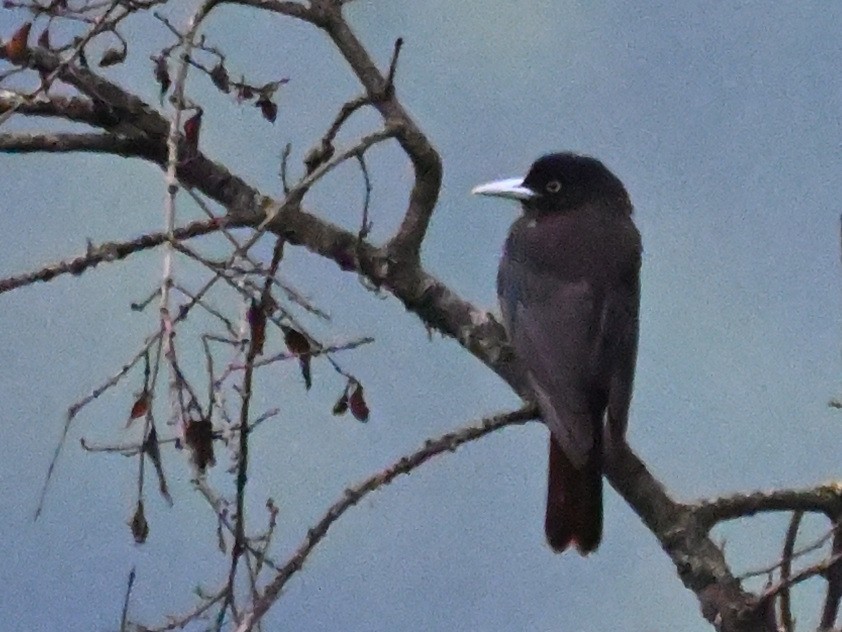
{"x": 511, "y": 188}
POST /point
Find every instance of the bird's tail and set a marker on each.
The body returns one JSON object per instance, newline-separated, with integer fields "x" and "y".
{"x": 574, "y": 501}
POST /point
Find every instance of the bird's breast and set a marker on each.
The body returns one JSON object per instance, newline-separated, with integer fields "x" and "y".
{"x": 571, "y": 246}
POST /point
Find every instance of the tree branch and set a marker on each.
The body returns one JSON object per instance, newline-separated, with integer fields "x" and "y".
{"x": 826, "y": 499}
{"x": 113, "y": 251}
{"x": 353, "y": 495}
{"x": 405, "y": 245}
{"x": 700, "y": 563}
{"x": 74, "y": 109}
{"x": 787, "y": 622}
{"x": 95, "y": 142}
{"x": 834, "y": 582}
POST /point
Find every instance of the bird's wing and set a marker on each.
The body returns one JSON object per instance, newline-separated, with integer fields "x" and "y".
{"x": 621, "y": 335}
{"x": 556, "y": 328}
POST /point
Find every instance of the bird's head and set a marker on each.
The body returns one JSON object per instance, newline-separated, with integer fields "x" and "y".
{"x": 557, "y": 183}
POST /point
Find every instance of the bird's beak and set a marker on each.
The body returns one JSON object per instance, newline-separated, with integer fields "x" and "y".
{"x": 511, "y": 188}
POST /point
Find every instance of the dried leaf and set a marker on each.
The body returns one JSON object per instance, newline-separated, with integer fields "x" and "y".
{"x": 44, "y": 42}
{"x": 153, "y": 451}
{"x": 296, "y": 342}
{"x": 162, "y": 75}
{"x": 356, "y": 402}
{"x": 198, "y": 435}
{"x": 220, "y": 78}
{"x": 268, "y": 90}
{"x": 140, "y": 406}
{"x": 15, "y": 48}
{"x": 44, "y": 38}
{"x": 268, "y": 108}
{"x": 341, "y": 405}
{"x": 192, "y": 128}
{"x": 140, "y": 528}
{"x": 256, "y": 317}
{"x": 113, "y": 56}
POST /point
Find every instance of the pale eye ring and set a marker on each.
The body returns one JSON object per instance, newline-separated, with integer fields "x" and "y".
{"x": 553, "y": 186}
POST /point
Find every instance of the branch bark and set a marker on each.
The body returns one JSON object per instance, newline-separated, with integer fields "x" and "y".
{"x": 826, "y": 499}
{"x": 112, "y": 251}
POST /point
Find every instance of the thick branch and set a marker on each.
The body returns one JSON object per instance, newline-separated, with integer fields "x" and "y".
{"x": 826, "y": 499}
{"x": 120, "y": 107}
{"x": 700, "y": 563}
{"x": 292, "y": 9}
{"x": 102, "y": 143}
{"x": 406, "y": 244}
{"x": 70, "y": 108}
{"x": 426, "y": 162}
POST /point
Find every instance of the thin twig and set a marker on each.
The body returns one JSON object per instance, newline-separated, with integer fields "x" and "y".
{"x": 113, "y": 251}
{"x": 102, "y": 24}
{"x": 809, "y": 548}
{"x": 393, "y": 66}
{"x": 365, "y": 224}
{"x": 178, "y": 623}
{"x": 124, "y": 617}
{"x": 819, "y": 568}
{"x": 786, "y": 571}
{"x": 220, "y": 507}
{"x": 130, "y": 449}
{"x": 834, "y": 582}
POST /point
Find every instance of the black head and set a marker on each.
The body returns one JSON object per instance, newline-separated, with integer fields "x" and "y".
{"x": 557, "y": 183}
{"x": 563, "y": 181}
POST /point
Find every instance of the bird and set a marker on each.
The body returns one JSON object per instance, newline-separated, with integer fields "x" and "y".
{"x": 569, "y": 291}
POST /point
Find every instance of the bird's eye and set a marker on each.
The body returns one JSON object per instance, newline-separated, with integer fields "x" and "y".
{"x": 553, "y": 186}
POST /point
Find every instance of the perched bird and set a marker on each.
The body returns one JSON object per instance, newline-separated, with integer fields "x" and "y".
{"x": 569, "y": 289}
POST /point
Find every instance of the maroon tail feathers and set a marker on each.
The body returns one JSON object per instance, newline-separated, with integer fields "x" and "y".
{"x": 574, "y": 502}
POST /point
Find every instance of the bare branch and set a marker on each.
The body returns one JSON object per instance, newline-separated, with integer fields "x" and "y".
{"x": 58, "y": 69}
{"x": 113, "y": 251}
{"x": 291, "y": 9}
{"x": 786, "y": 570}
{"x": 699, "y": 562}
{"x": 447, "y": 443}
{"x": 179, "y": 623}
{"x": 826, "y": 499}
{"x": 813, "y": 546}
{"x": 327, "y": 14}
{"x": 820, "y": 568}
{"x": 71, "y": 108}
{"x": 23, "y": 143}
{"x": 291, "y": 293}
{"x": 834, "y": 582}
{"x": 124, "y": 617}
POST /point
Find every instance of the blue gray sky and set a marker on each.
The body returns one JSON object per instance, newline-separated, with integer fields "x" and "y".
{"x": 722, "y": 119}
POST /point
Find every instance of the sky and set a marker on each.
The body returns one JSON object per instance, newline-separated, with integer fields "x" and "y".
{"x": 723, "y": 121}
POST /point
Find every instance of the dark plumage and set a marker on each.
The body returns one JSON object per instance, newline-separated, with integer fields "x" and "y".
{"x": 568, "y": 286}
